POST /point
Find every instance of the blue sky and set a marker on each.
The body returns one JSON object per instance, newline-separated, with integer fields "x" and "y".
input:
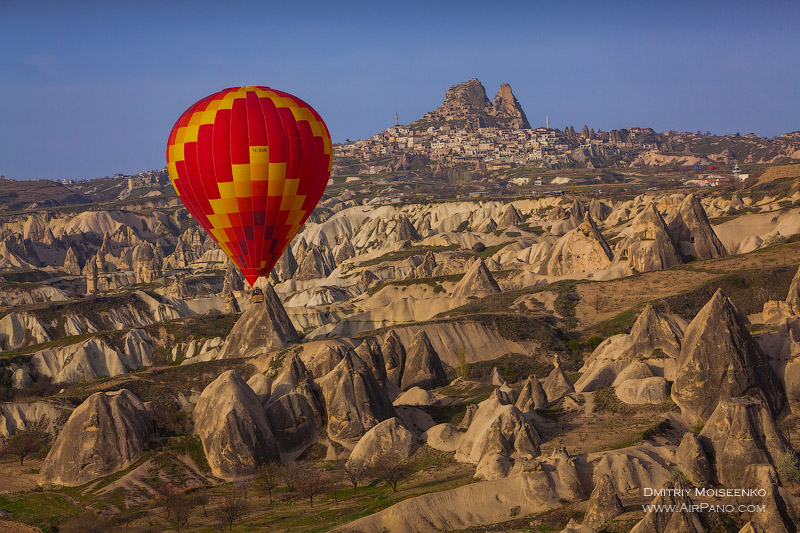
{"x": 89, "y": 89}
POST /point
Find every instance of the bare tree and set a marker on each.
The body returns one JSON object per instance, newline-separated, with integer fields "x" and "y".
{"x": 268, "y": 476}
{"x": 26, "y": 441}
{"x": 311, "y": 482}
{"x": 289, "y": 473}
{"x": 234, "y": 504}
{"x": 355, "y": 471}
{"x": 177, "y": 504}
{"x": 392, "y": 468}
{"x": 201, "y": 498}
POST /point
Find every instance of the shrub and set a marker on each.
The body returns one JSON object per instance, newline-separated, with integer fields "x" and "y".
{"x": 787, "y": 467}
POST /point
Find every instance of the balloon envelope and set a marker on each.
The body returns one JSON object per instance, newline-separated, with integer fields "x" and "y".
{"x": 250, "y": 165}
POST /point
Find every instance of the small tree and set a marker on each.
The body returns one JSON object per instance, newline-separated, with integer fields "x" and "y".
{"x": 289, "y": 473}
{"x": 177, "y": 505}
{"x": 234, "y": 504}
{"x": 392, "y": 468}
{"x": 27, "y": 441}
{"x": 311, "y": 482}
{"x": 201, "y": 498}
{"x": 268, "y": 476}
{"x": 354, "y": 471}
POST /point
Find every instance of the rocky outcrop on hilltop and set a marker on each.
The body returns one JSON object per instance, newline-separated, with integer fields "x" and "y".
{"x": 719, "y": 360}
{"x": 580, "y": 250}
{"x": 599, "y": 209}
{"x": 693, "y": 232}
{"x": 427, "y": 268}
{"x": 741, "y": 433}
{"x": 650, "y": 245}
{"x": 387, "y": 439}
{"x": 507, "y": 108}
{"x": 104, "y": 434}
{"x": 405, "y": 231}
{"x": 354, "y": 401}
{"x": 422, "y": 367}
{"x": 262, "y": 327}
{"x": 478, "y": 282}
{"x": 233, "y": 427}
{"x": 468, "y": 101}
{"x": 285, "y": 268}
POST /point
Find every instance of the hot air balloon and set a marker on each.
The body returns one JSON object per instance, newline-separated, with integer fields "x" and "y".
{"x": 250, "y": 164}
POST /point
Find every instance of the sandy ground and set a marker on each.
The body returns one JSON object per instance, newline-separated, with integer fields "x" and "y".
{"x": 6, "y": 526}
{"x": 14, "y": 477}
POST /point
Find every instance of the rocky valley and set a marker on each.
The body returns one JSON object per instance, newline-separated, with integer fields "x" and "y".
{"x": 609, "y": 350}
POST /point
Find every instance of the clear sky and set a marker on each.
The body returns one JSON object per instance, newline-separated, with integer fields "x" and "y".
{"x": 89, "y": 89}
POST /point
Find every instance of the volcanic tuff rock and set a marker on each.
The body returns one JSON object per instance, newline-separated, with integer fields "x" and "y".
{"x": 286, "y": 267}
{"x": 604, "y": 503}
{"x": 693, "y": 461}
{"x": 498, "y": 433}
{"x": 640, "y": 391}
{"x": 557, "y": 385}
{"x": 313, "y": 265}
{"x": 580, "y": 250}
{"x": 741, "y": 433}
{"x": 650, "y": 246}
{"x": 233, "y": 427}
{"x": 71, "y": 265}
{"x": 532, "y": 396}
{"x": 394, "y": 355}
{"x": 653, "y": 333}
{"x": 427, "y": 268}
{"x": 262, "y": 327}
{"x": 574, "y": 527}
{"x": 295, "y": 419}
{"x": 468, "y": 101}
{"x": 15, "y": 416}
{"x": 354, "y": 401}
{"x": 388, "y": 437}
{"x": 719, "y": 359}
{"x": 233, "y": 281}
{"x": 104, "y": 434}
{"x": 422, "y": 367}
{"x": 511, "y": 217}
{"x": 478, "y": 281}
{"x": 693, "y": 232}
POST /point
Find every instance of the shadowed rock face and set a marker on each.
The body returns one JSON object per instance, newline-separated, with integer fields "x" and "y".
{"x": 286, "y": 266}
{"x": 261, "y": 328}
{"x": 793, "y": 298}
{"x": 314, "y": 265}
{"x": 295, "y": 420}
{"x": 423, "y": 368}
{"x": 104, "y": 434}
{"x": 354, "y": 401}
{"x": 604, "y": 503}
{"x": 693, "y": 232}
{"x": 719, "y": 359}
{"x": 478, "y": 281}
{"x": 510, "y": 217}
{"x": 233, "y": 427}
{"x": 394, "y": 355}
{"x": 741, "y": 433}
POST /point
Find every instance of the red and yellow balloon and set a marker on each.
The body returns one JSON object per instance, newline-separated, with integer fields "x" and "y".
{"x": 250, "y": 164}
